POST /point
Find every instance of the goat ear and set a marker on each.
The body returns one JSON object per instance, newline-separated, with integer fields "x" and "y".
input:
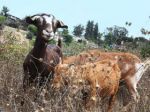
{"x": 29, "y": 20}
{"x": 60, "y": 24}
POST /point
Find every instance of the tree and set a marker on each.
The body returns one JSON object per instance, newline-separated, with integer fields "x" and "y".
{"x": 95, "y": 31}
{"x": 67, "y": 37}
{"x": 78, "y": 30}
{"x": 144, "y": 31}
{"x": 65, "y": 32}
{"x": 89, "y": 30}
{"x": 115, "y": 35}
{"x": 99, "y": 39}
{"x": 5, "y": 11}
{"x": 128, "y": 23}
{"x": 109, "y": 38}
{"x": 92, "y": 32}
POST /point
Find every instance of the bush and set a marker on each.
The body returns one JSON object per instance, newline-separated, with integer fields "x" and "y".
{"x": 32, "y": 29}
{"x": 52, "y": 41}
{"x": 145, "y": 50}
{"x": 2, "y": 21}
{"x": 30, "y": 35}
{"x": 74, "y": 48}
{"x": 11, "y": 50}
{"x": 68, "y": 39}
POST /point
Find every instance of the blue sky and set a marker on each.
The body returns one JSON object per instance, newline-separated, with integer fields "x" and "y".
{"x": 72, "y": 12}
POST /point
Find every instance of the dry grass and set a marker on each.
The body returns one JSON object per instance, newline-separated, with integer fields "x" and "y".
{"x": 11, "y": 92}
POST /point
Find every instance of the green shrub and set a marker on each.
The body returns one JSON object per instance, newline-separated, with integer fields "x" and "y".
{"x": 12, "y": 51}
{"x": 74, "y": 48}
{"x": 30, "y": 35}
{"x": 2, "y": 19}
{"x": 145, "y": 50}
{"x": 52, "y": 42}
{"x": 32, "y": 41}
{"x": 32, "y": 29}
{"x": 68, "y": 39}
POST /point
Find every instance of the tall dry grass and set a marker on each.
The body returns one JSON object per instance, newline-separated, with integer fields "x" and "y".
{"x": 49, "y": 100}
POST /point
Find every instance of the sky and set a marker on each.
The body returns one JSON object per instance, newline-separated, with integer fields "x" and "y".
{"x": 73, "y": 12}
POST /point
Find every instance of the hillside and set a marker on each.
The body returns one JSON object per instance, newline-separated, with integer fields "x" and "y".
{"x": 9, "y": 33}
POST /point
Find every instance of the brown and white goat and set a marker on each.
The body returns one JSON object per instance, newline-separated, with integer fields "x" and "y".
{"x": 102, "y": 77}
{"x": 130, "y": 65}
{"x": 41, "y": 60}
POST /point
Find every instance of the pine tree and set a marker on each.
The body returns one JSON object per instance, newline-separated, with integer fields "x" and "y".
{"x": 89, "y": 30}
{"x": 5, "y": 11}
{"x": 78, "y": 30}
{"x": 95, "y": 31}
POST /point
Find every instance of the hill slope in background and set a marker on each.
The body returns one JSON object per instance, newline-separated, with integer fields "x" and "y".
{"x": 19, "y": 36}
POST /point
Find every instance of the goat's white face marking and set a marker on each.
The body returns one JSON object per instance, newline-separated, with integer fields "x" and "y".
{"x": 50, "y": 30}
{"x": 46, "y": 24}
{"x": 48, "y": 19}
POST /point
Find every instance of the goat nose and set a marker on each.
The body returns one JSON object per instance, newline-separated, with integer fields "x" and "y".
{"x": 97, "y": 86}
{"x": 45, "y": 32}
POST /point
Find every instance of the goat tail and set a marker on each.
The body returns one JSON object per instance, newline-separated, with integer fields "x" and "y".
{"x": 59, "y": 42}
{"x": 145, "y": 66}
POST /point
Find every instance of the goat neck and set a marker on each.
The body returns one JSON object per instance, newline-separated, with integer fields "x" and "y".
{"x": 39, "y": 46}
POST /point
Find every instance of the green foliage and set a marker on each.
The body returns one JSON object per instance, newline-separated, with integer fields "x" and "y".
{"x": 78, "y": 30}
{"x": 2, "y": 19}
{"x": 89, "y": 30}
{"x": 95, "y": 31}
{"x": 32, "y": 29}
{"x": 68, "y": 39}
{"x": 32, "y": 41}
{"x": 30, "y": 35}
{"x": 145, "y": 50}
{"x": 12, "y": 51}
{"x": 109, "y": 39}
{"x": 92, "y": 31}
{"x": 115, "y": 35}
{"x": 4, "y": 11}
{"x": 52, "y": 42}
{"x": 74, "y": 48}
{"x": 65, "y": 32}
